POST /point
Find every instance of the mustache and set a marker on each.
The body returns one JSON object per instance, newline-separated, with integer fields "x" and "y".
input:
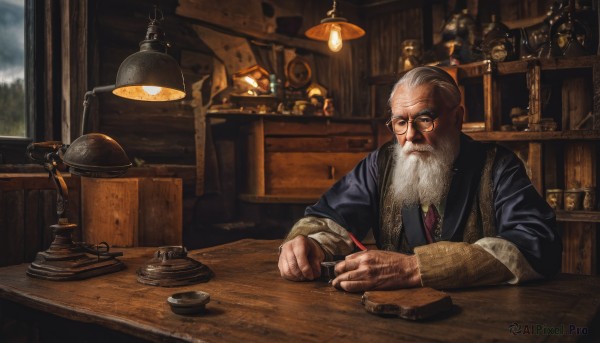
{"x": 410, "y": 147}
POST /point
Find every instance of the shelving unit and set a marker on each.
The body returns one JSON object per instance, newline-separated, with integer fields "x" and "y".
{"x": 566, "y": 90}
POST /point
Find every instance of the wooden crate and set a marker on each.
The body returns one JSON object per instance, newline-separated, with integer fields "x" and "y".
{"x": 130, "y": 212}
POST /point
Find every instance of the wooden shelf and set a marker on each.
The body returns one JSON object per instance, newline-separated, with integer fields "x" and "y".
{"x": 578, "y": 216}
{"x": 477, "y": 69}
{"x": 534, "y": 136}
{"x": 302, "y": 199}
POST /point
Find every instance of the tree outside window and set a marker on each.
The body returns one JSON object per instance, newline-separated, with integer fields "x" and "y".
{"x": 13, "y": 118}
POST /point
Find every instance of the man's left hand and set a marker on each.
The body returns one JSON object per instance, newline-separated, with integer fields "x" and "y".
{"x": 377, "y": 270}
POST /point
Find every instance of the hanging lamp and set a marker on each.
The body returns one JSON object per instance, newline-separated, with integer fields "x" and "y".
{"x": 334, "y": 30}
{"x": 151, "y": 74}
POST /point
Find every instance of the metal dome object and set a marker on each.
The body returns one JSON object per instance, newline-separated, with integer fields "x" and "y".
{"x": 96, "y": 155}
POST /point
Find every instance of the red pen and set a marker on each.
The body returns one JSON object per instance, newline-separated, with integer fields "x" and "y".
{"x": 357, "y": 242}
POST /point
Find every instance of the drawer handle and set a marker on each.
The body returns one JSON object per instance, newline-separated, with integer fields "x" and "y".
{"x": 331, "y": 172}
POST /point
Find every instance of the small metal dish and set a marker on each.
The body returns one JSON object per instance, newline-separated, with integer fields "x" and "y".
{"x": 192, "y": 302}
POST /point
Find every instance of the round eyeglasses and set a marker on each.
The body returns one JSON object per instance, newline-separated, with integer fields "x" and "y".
{"x": 422, "y": 123}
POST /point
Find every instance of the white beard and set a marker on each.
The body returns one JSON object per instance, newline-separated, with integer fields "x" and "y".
{"x": 424, "y": 178}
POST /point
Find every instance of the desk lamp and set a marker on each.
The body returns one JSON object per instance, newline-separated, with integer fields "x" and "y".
{"x": 334, "y": 30}
{"x": 148, "y": 75}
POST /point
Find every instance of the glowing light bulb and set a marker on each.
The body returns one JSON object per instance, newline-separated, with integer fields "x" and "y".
{"x": 152, "y": 90}
{"x": 335, "y": 38}
{"x": 252, "y": 82}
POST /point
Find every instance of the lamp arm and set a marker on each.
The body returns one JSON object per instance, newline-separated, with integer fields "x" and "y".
{"x": 49, "y": 154}
{"x": 86, "y": 103}
{"x": 62, "y": 191}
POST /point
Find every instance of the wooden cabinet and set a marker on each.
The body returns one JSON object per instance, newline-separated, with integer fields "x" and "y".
{"x": 296, "y": 159}
{"x": 566, "y": 91}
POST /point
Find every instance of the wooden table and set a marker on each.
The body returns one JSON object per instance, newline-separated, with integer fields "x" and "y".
{"x": 250, "y": 302}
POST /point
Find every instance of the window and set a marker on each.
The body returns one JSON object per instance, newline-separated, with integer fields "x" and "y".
{"x": 13, "y": 115}
{"x": 27, "y": 36}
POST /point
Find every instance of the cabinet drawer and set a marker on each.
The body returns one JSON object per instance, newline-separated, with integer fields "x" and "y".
{"x": 306, "y": 172}
{"x": 315, "y": 128}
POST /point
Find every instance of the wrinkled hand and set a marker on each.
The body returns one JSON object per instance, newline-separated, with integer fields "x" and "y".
{"x": 377, "y": 270}
{"x": 300, "y": 259}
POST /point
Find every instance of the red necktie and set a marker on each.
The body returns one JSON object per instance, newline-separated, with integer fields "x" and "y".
{"x": 432, "y": 219}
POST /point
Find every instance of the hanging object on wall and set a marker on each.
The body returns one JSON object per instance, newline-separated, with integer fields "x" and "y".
{"x": 334, "y": 30}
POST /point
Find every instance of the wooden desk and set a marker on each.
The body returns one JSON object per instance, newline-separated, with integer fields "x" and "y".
{"x": 250, "y": 302}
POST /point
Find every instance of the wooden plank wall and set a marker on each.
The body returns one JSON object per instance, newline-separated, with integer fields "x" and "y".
{"x": 27, "y": 209}
{"x": 149, "y": 132}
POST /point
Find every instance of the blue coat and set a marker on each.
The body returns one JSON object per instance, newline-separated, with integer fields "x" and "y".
{"x": 522, "y": 216}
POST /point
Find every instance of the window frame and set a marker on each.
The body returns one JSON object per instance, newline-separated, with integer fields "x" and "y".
{"x": 41, "y": 43}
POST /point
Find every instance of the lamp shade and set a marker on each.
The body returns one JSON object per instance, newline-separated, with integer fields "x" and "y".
{"x": 334, "y": 30}
{"x": 150, "y": 74}
{"x": 322, "y": 31}
{"x": 96, "y": 155}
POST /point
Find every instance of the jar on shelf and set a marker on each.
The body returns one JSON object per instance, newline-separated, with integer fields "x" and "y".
{"x": 554, "y": 197}
{"x": 573, "y": 199}
{"x": 589, "y": 198}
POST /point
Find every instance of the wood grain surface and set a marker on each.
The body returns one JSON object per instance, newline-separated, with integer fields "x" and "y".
{"x": 414, "y": 303}
{"x": 250, "y": 302}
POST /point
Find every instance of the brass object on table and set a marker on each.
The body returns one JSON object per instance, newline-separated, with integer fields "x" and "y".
{"x": 66, "y": 260}
{"x": 171, "y": 267}
{"x": 554, "y": 197}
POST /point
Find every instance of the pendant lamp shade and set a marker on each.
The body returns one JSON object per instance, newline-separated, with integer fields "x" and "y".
{"x": 150, "y": 74}
{"x": 322, "y": 31}
{"x": 334, "y": 30}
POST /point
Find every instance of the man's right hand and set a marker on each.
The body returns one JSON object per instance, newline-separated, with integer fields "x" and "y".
{"x": 300, "y": 259}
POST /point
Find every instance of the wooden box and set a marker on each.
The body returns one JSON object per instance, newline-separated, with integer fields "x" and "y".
{"x": 131, "y": 212}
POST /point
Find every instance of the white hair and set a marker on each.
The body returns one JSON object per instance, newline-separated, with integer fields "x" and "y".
{"x": 434, "y": 76}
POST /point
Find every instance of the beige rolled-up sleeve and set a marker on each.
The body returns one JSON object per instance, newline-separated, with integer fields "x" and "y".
{"x": 488, "y": 261}
{"x": 333, "y": 239}
{"x": 456, "y": 264}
